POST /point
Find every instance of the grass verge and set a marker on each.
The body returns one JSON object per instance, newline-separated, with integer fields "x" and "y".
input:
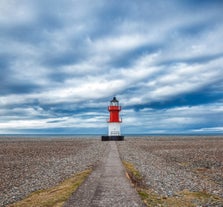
{"x": 184, "y": 198}
{"x": 55, "y": 196}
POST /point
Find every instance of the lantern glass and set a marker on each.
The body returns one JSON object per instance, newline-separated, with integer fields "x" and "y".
{"x": 114, "y": 102}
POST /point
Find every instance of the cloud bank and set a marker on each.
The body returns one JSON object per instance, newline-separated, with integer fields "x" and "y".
{"x": 61, "y": 62}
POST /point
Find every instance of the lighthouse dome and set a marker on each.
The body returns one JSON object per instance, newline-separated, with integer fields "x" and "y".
{"x": 114, "y": 101}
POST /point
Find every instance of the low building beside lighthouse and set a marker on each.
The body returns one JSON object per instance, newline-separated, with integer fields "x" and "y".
{"x": 114, "y": 122}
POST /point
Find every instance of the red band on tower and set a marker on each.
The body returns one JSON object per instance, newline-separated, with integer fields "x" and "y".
{"x": 114, "y": 113}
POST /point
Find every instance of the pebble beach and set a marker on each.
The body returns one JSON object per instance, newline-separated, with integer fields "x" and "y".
{"x": 168, "y": 164}
{"x": 172, "y": 164}
{"x": 30, "y": 164}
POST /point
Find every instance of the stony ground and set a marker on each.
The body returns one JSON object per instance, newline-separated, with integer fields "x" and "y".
{"x": 28, "y": 164}
{"x": 170, "y": 164}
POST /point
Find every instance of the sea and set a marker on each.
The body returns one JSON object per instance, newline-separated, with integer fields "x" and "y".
{"x": 78, "y": 136}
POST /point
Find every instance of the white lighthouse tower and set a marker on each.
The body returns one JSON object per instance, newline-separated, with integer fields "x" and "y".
{"x": 114, "y": 122}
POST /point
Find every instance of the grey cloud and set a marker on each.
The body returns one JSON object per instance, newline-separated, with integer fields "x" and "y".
{"x": 65, "y": 59}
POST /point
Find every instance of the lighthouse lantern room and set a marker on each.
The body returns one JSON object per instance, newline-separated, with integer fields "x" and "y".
{"x": 114, "y": 129}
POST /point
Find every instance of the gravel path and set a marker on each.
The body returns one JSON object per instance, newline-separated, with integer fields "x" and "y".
{"x": 107, "y": 186}
{"x": 28, "y": 165}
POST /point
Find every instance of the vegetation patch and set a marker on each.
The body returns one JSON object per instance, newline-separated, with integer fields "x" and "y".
{"x": 55, "y": 196}
{"x": 133, "y": 174}
{"x": 184, "y": 198}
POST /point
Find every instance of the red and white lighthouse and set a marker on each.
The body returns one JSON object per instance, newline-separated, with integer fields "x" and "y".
{"x": 114, "y": 122}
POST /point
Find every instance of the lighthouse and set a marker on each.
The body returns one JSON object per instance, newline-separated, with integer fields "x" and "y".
{"x": 114, "y": 122}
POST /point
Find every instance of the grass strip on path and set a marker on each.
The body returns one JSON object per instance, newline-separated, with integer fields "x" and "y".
{"x": 184, "y": 198}
{"x": 55, "y": 196}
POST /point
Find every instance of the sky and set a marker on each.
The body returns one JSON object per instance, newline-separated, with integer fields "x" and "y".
{"x": 61, "y": 62}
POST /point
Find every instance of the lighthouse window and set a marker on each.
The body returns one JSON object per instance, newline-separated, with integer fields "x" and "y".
{"x": 114, "y": 103}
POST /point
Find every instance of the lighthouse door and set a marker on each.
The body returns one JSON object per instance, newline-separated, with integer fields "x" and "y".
{"x": 114, "y": 129}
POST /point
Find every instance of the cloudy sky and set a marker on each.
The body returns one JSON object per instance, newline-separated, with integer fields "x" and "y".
{"x": 61, "y": 62}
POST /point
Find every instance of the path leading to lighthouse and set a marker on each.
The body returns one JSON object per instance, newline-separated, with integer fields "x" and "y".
{"x": 107, "y": 186}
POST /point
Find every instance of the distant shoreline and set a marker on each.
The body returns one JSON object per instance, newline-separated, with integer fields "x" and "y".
{"x": 95, "y": 135}
{"x": 17, "y": 137}
{"x": 99, "y": 135}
